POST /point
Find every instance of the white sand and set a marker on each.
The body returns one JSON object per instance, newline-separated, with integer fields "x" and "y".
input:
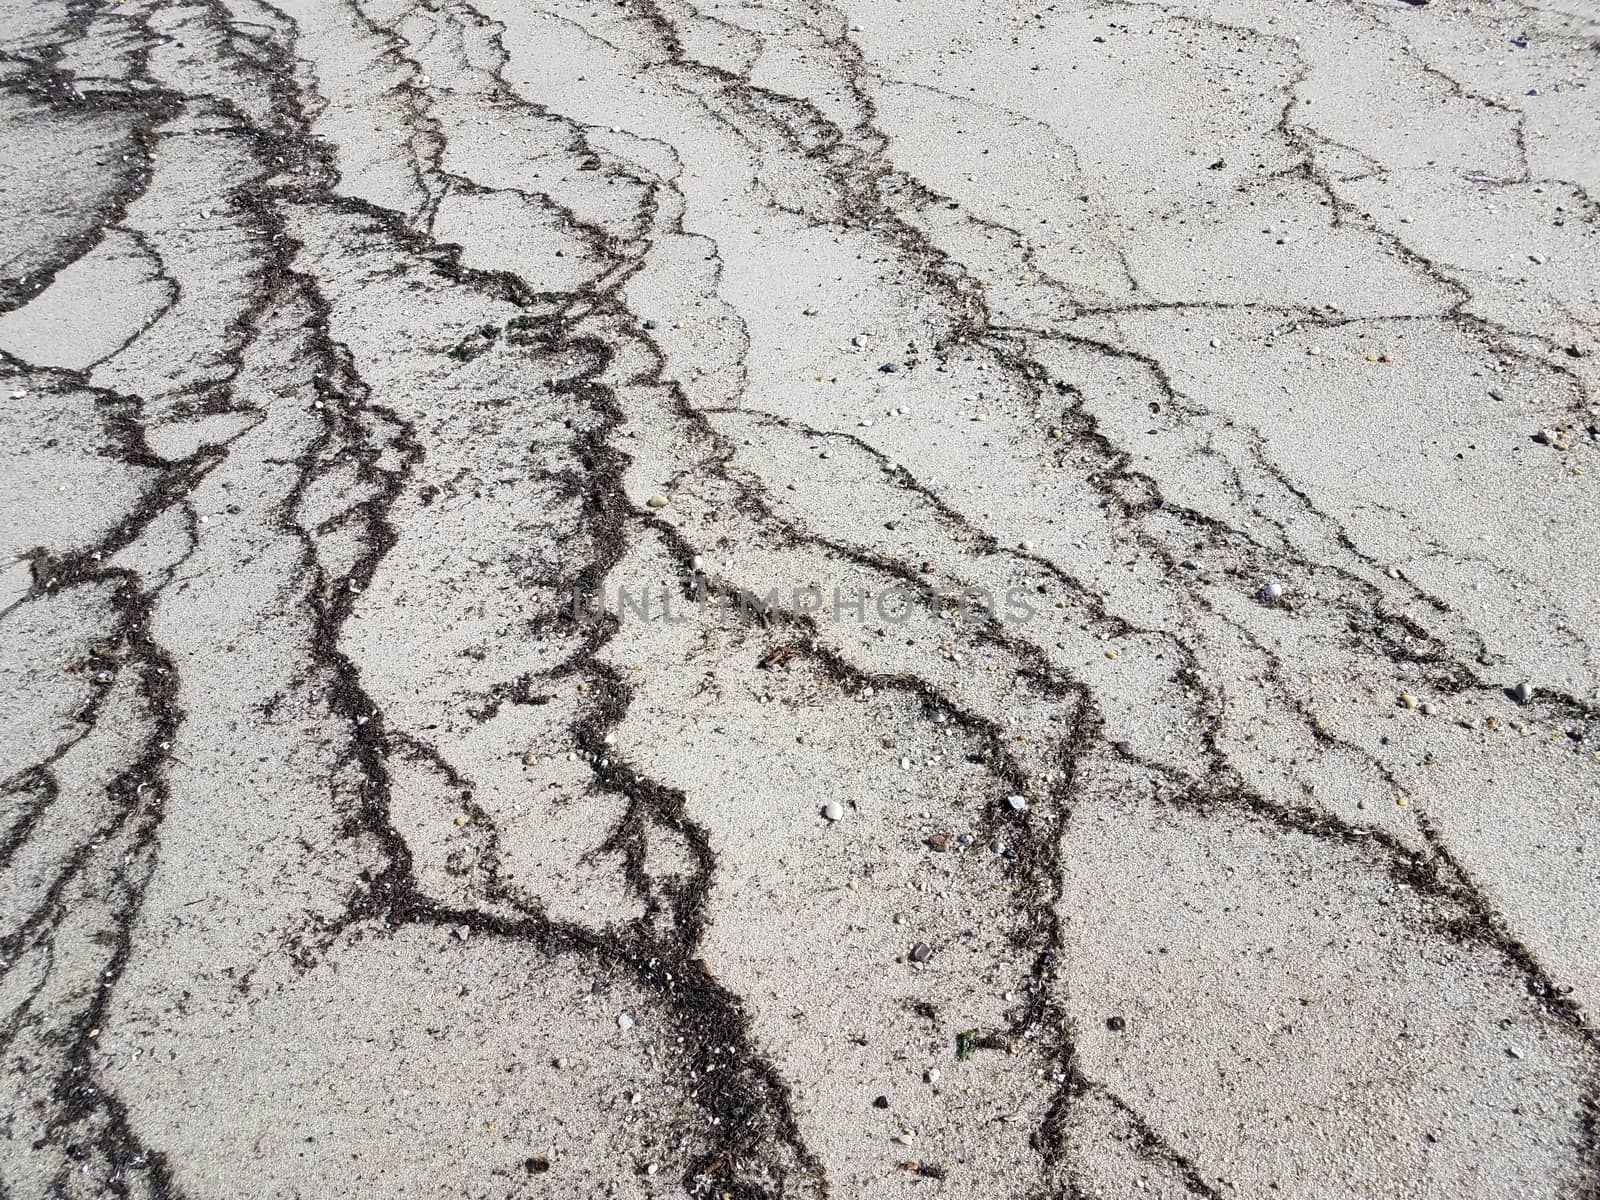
{"x": 345, "y": 342}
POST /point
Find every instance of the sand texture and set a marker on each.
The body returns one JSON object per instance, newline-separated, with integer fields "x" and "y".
{"x": 1243, "y": 354}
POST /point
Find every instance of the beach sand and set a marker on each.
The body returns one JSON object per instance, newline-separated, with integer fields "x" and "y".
{"x": 780, "y": 600}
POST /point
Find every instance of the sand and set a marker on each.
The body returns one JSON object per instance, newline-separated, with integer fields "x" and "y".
{"x": 495, "y": 700}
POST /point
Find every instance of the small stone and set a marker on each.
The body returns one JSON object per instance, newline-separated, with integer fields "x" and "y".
{"x": 1116, "y": 1024}
{"x": 939, "y": 843}
{"x": 881, "y": 1102}
{"x": 658, "y": 501}
{"x": 624, "y": 1022}
{"x": 530, "y": 759}
{"x": 1429, "y": 708}
{"x": 1192, "y": 564}
{"x": 1410, "y": 701}
{"x": 1027, "y": 545}
{"x": 697, "y": 563}
{"x": 1270, "y": 590}
{"x": 931, "y": 1075}
{"x": 1018, "y": 803}
{"x": 1216, "y": 343}
{"x": 462, "y": 932}
{"x": 561, "y": 1064}
{"x": 833, "y": 810}
{"x": 905, "y": 1137}
{"x": 1536, "y": 259}
{"x": 1523, "y": 692}
{"x": 1496, "y": 394}
{"x": 921, "y": 952}
{"x": 462, "y": 819}
{"x": 889, "y": 368}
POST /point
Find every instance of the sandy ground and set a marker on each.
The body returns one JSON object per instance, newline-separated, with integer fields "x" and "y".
{"x": 1244, "y": 354}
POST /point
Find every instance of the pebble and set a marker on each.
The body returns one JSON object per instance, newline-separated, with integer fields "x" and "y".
{"x": 657, "y": 501}
{"x": 1027, "y": 545}
{"x": 1271, "y": 590}
{"x": 1410, "y": 701}
{"x": 833, "y": 810}
{"x": 1523, "y": 692}
{"x": 1116, "y": 1024}
{"x": 905, "y": 1137}
{"x": 697, "y": 563}
{"x": 530, "y": 759}
{"x": 561, "y": 1064}
{"x": 1536, "y": 259}
{"x": 889, "y": 368}
{"x": 1216, "y": 343}
{"x": 931, "y": 1075}
{"x": 921, "y": 952}
{"x": 1192, "y": 564}
{"x": 624, "y": 1022}
{"x": 1496, "y": 394}
{"x": 1018, "y": 803}
{"x": 881, "y": 1102}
